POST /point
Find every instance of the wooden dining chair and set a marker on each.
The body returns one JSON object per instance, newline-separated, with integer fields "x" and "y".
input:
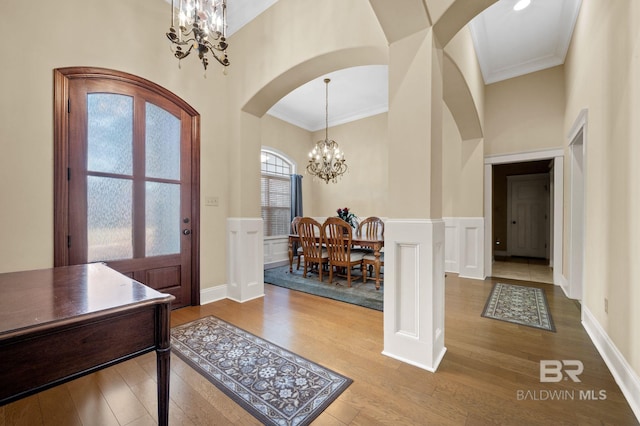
{"x": 311, "y": 236}
{"x": 372, "y": 228}
{"x": 368, "y": 263}
{"x": 297, "y": 247}
{"x": 338, "y": 239}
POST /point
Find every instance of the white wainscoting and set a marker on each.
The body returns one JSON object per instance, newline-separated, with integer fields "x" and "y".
{"x": 464, "y": 246}
{"x": 451, "y": 245}
{"x": 414, "y": 292}
{"x": 276, "y": 251}
{"x": 245, "y": 257}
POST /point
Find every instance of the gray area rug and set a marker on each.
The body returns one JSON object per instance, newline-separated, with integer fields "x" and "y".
{"x": 519, "y": 305}
{"x": 362, "y": 294}
{"x": 276, "y": 386}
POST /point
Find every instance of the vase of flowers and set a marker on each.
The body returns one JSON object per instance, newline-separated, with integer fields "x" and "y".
{"x": 346, "y": 215}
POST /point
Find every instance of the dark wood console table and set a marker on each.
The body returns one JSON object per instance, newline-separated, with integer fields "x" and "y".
{"x": 62, "y": 323}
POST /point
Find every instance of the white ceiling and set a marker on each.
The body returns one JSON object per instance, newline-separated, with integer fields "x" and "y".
{"x": 354, "y": 93}
{"x": 511, "y": 43}
{"x": 508, "y": 44}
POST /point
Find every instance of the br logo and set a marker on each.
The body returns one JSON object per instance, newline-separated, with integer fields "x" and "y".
{"x": 553, "y": 370}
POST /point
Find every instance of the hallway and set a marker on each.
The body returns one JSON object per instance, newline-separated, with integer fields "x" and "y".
{"x": 523, "y": 268}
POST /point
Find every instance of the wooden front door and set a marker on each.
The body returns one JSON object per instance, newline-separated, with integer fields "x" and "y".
{"x": 131, "y": 197}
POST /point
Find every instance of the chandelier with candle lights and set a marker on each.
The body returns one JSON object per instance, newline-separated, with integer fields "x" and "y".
{"x": 201, "y": 27}
{"x": 326, "y": 161}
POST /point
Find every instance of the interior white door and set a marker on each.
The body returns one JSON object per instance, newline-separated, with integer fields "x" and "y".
{"x": 528, "y": 228}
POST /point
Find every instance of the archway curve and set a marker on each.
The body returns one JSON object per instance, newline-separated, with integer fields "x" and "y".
{"x": 459, "y": 100}
{"x": 457, "y": 15}
{"x": 310, "y": 69}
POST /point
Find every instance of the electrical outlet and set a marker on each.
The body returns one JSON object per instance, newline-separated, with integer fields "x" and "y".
{"x": 212, "y": 201}
{"x": 606, "y": 305}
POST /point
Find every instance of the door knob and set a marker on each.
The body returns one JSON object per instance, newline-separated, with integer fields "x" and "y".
{"x": 186, "y": 231}
{"x": 514, "y": 222}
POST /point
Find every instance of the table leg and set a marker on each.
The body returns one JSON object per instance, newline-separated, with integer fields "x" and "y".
{"x": 376, "y": 252}
{"x": 163, "y": 355}
{"x": 290, "y": 255}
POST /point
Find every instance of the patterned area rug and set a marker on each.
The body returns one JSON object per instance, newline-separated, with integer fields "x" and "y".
{"x": 519, "y": 305}
{"x": 274, "y": 385}
{"x": 362, "y": 294}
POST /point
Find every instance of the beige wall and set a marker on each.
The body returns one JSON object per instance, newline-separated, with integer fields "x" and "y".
{"x": 364, "y": 187}
{"x": 469, "y": 91}
{"x": 602, "y": 71}
{"x": 294, "y": 42}
{"x": 525, "y": 113}
{"x": 463, "y": 171}
{"x": 463, "y": 121}
{"x": 110, "y": 37}
{"x": 102, "y": 34}
{"x": 294, "y": 142}
{"x": 451, "y": 153}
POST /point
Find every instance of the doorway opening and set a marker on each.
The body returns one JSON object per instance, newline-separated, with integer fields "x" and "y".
{"x": 522, "y": 220}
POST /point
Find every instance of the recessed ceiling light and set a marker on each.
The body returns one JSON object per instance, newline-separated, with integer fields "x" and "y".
{"x": 521, "y": 5}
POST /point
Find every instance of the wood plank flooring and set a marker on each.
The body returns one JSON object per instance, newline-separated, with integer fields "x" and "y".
{"x": 487, "y": 366}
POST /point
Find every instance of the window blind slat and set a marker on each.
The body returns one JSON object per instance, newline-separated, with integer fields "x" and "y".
{"x": 275, "y": 189}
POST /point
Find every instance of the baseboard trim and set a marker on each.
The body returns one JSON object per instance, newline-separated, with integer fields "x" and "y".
{"x": 213, "y": 294}
{"x": 559, "y": 279}
{"x": 622, "y": 372}
{"x": 417, "y": 364}
{"x": 471, "y": 277}
{"x": 277, "y": 263}
{"x": 246, "y": 300}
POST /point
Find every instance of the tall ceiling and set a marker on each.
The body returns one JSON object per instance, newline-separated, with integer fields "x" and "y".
{"x": 508, "y": 44}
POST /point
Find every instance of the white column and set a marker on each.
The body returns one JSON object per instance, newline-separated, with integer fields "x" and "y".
{"x": 414, "y": 292}
{"x": 245, "y": 273}
{"x": 414, "y": 247}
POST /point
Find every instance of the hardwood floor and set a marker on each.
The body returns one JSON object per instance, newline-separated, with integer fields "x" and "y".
{"x": 489, "y": 375}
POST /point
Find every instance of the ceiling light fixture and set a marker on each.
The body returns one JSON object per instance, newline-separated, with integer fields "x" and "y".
{"x": 522, "y": 4}
{"x": 325, "y": 159}
{"x": 202, "y": 25}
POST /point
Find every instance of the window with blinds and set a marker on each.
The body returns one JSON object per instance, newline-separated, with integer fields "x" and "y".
{"x": 276, "y": 193}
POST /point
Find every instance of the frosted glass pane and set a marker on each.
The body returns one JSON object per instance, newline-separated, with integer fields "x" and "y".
{"x": 163, "y": 218}
{"x": 110, "y": 133}
{"x": 109, "y": 218}
{"x": 162, "y": 143}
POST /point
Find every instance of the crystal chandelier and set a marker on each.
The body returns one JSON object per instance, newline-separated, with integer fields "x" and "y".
{"x": 202, "y": 26}
{"x": 326, "y": 161}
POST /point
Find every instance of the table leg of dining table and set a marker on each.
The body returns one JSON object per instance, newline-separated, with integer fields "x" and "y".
{"x": 290, "y": 255}
{"x": 376, "y": 253}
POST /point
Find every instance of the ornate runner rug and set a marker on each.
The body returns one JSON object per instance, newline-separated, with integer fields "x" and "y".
{"x": 274, "y": 385}
{"x": 519, "y": 305}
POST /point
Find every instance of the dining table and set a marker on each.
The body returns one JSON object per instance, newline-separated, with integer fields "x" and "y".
{"x": 375, "y": 244}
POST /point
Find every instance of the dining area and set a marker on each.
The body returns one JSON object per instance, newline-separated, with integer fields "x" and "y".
{"x": 338, "y": 247}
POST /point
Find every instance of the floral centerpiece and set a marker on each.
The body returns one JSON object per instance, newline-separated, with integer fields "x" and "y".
{"x": 349, "y": 217}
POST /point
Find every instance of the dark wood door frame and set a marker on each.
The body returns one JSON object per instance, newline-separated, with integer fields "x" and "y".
{"x": 62, "y": 77}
